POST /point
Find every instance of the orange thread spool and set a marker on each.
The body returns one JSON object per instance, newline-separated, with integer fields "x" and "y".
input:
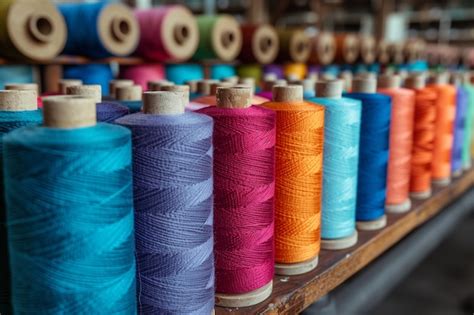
{"x": 443, "y": 141}
{"x": 299, "y": 162}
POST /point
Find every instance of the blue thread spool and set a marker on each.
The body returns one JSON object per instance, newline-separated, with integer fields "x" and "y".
{"x": 181, "y": 73}
{"x": 91, "y": 74}
{"x": 222, "y": 71}
{"x": 99, "y": 30}
{"x": 373, "y": 154}
{"x": 68, "y": 188}
{"x": 17, "y": 109}
{"x": 172, "y": 163}
{"x": 342, "y": 121}
{"x": 14, "y": 73}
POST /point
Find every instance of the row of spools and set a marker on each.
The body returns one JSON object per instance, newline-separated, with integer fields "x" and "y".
{"x": 225, "y": 193}
{"x": 38, "y": 30}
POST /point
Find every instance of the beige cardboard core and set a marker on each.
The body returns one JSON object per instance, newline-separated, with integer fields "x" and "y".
{"x": 178, "y": 88}
{"x": 226, "y": 37}
{"x": 121, "y": 28}
{"x": 269, "y": 84}
{"x": 128, "y": 93}
{"x": 215, "y": 86}
{"x": 164, "y": 102}
{"x": 417, "y": 81}
{"x": 346, "y": 77}
{"x": 389, "y": 81}
{"x": 329, "y": 89}
{"x": 23, "y": 87}
{"x": 204, "y": 86}
{"x": 93, "y": 91}
{"x": 69, "y": 111}
{"x": 157, "y": 85}
{"x": 233, "y": 79}
{"x": 265, "y": 44}
{"x": 65, "y": 83}
{"x": 192, "y": 85}
{"x": 234, "y": 97}
{"x": 290, "y": 93}
{"x": 41, "y": 27}
{"x": 15, "y": 100}
{"x": 114, "y": 84}
{"x": 364, "y": 85}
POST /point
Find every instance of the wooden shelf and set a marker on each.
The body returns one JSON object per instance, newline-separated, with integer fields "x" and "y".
{"x": 292, "y": 295}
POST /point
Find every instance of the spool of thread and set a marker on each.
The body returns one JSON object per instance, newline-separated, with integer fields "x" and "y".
{"x": 296, "y": 71}
{"x": 346, "y": 77}
{"x": 17, "y": 109}
{"x": 219, "y": 37}
{"x": 423, "y": 136}
{"x": 76, "y": 239}
{"x": 373, "y": 154}
{"x": 190, "y": 106}
{"x": 130, "y": 96}
{"x": 294, "y": 45}
{"x": 401, "y": 143}
{"x": 211, "y": 99}
{"x": 250, "y": 71}
{"x": 382, "y": 52}
{"x": 32, "y": 30}
{"x": 395, "y": 52}
{"x": 158, "y": 85}
{"x": 204, "y": 87}
{"x": 308, "y": 87}
{"x": 367, "y": 49}
{"x": 141, "y": 74}
{"x": 114, "y": 84}
{"x": 99, "y": 30}
{"x": 323, "y": 49}
{"x": 342, "y": 121}
{"x": 274, "y": 69}
{"x": 172, "y": 163}
{"x": 244, "y": 251}
{"x": 413, "y": 50}
{"x": 459, "y": 125}
{"x": 26, "y": 87}
{"x": 347, "y": 48}
{"x": 260, "y": 43}
{"x": 181, "y": 73}
{"x": 177, "y": 37}
{"x": 299, "y": 158}
{"x": 219, "y": 72}
{"x": 444, "y": 128}
{"x": 267, "y": 88}
{"x": 466, "y": 152}
{"x": 250, "y": 83}
{"x": 63, "y": 84}
{"x": 90, "y": 74}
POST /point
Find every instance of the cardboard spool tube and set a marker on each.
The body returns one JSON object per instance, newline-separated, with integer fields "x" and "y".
{"x": 215, "y": 86}
{"x": 329, "y": 89}
{"x": 178, "y": 88}
{"x": 265, "y": 44}
{"x": 158, "y": 84}
{"x": 297, "y": 268}
{"x": 389, "y": 81}
{"x": 364, "y": 85}
{"x": 164, "y": 102}
{"x": 245, "y": 299}
{"x": 128, "y": 93}
{"x": 269, "y": 84}
{"x": 234, "y": 79}
{"x": 226, "y": 38}
{"x": 23, "y": 87}
{"x": 323, "y": 49}
{"x": 270, "y": 77}
{"x": 93, "y": 91}
{"x": 367, "y": 48}
{"x": 417, "y": 81}
{"x": 346, "y": 77}
{"x": 63, "y": 84}
{"x": 373, "y": 225}
{"x": 307, "y": 84}
{"x": 350, "y": 48}
{"x": 234, "y": 97}
{"x": 18, "y": 100}
{"x": 118, "y": 29}
{"x": 382, "y": 53}
{"x": 204, "y": 86}
{"x": 192, "y": 85}
{"x": 35, "y": 29}
{"x": 179, "y": 33}
{"x": 114, "y": 84}
{"x": 299, "y": 48}
{"x": 69, "y": 111}
{"x": 341, "y": 243}
{"x": 289, "y": 93}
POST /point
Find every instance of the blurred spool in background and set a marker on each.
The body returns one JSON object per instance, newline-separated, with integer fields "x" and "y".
{"x": 295, "y": 71}
{"x": 347, "y": 48}
{"x": 382, "y": 53}
{"x": 32, "y": 30}
{"x": 99, "y": 74}
{"x": 414, "y": 50}
{"x": 181, "y": 73}
{"x": 294, "y": 45}
{"x": 323, "y": 48}
{"x": 274, "y": 69}
{"x": 114, "y": 84}
{"x": 222, "y": 71}
{"x": 395, "y": 51}
{"x": 130, "y": 96}
{"x": 367, "y": 49}
{"x": 260, "y": 44}
{"x": 462, "y": 99}
{"x": 253, "y": 71}
{"x": 168, "y": 33}
{"x": 141, "y": 74}
{"x": 220, "y": 37}
{"x": 468, "y": 143}
{"x": 100, "y": 30}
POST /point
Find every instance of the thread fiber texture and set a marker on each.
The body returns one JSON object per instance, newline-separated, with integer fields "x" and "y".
{"x": 466, "y": 150}
{"x": 109, "y": 111}
{"x": 299, "y": 159}
{"x": 423, "y": 139}
{"x": 462, "y": 99}
{"x": 172, "y": 164}
{"x": 373, "y": 155}
{"x": 401, "y": 144}
{"x": 9, "y": 121}
{"x": 141, "y": 74}
{"x": 444, "y": 131}
{"x": 91, "y": 74}
{"x": 72, "y": 249}
{"x": 341, "y": 158}
{"x": 244, "y": 190}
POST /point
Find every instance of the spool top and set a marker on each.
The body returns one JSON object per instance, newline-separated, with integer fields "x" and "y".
{"x": 69, "y": 111}
{"x": 270, "y": 77}
{"x": 268, "y": 85}
{"x": 226, "y": 37}
{"x": 93, "y": 91}
{"x": 234, "y": 97}
{"x": 128, "y": 93}
{"x": 364, "y": 85}
{"x": 158, "y": 84}
{"x": 118, "y": 29}
{"x": 204, "y": 86}
{"x": 290, "y": 93}
{"x": 23, "y": 87}
{"x": 64, "y": 83}
{"x": 164, "y": 102}
{"x": 18, "y": 100}
{"x": 329, "y": 89}
{"x": 192, "y": 85}
{"x": 299, "y": 46}
{"x": 114, "y": 84}
{"x": 249, "y": 81}
{"x": 389, "y": 81}
{"x": 415, "y": 81}
{"x": 234, "y": 79}
{"x": 323, "y": 48}
{"x": 215, "y": 86}
{"x": 265, "y": 44}
{"x": 178, "y": 88}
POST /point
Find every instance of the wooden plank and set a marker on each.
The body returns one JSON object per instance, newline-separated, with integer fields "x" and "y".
{"x": 292, "y": 295}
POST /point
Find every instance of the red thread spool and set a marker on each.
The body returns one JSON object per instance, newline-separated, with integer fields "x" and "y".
{"x": 260, "y": 44}
{"x": 141, "y": 74}
{"x": 323, "y": 49}
{"x": 347, "y": 48}
{"x": 244, "y": 188}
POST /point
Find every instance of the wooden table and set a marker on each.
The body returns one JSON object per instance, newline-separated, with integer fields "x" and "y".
{"x": 292, "y": 295}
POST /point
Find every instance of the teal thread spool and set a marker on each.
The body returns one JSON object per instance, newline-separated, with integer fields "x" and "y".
{"x": 72, "y": 249}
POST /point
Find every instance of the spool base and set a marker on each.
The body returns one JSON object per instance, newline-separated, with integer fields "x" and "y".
{"x": 377, "y": 224}
{"x": 399, "y": 208}
{"x": 298, "y": 268}
{"x": 245, "y": 299}
{"x": 340, "y": 243}
{"x": 457, "y": 173}
{"x": 442, "y": 182}
{"x": 420, "y": 195}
